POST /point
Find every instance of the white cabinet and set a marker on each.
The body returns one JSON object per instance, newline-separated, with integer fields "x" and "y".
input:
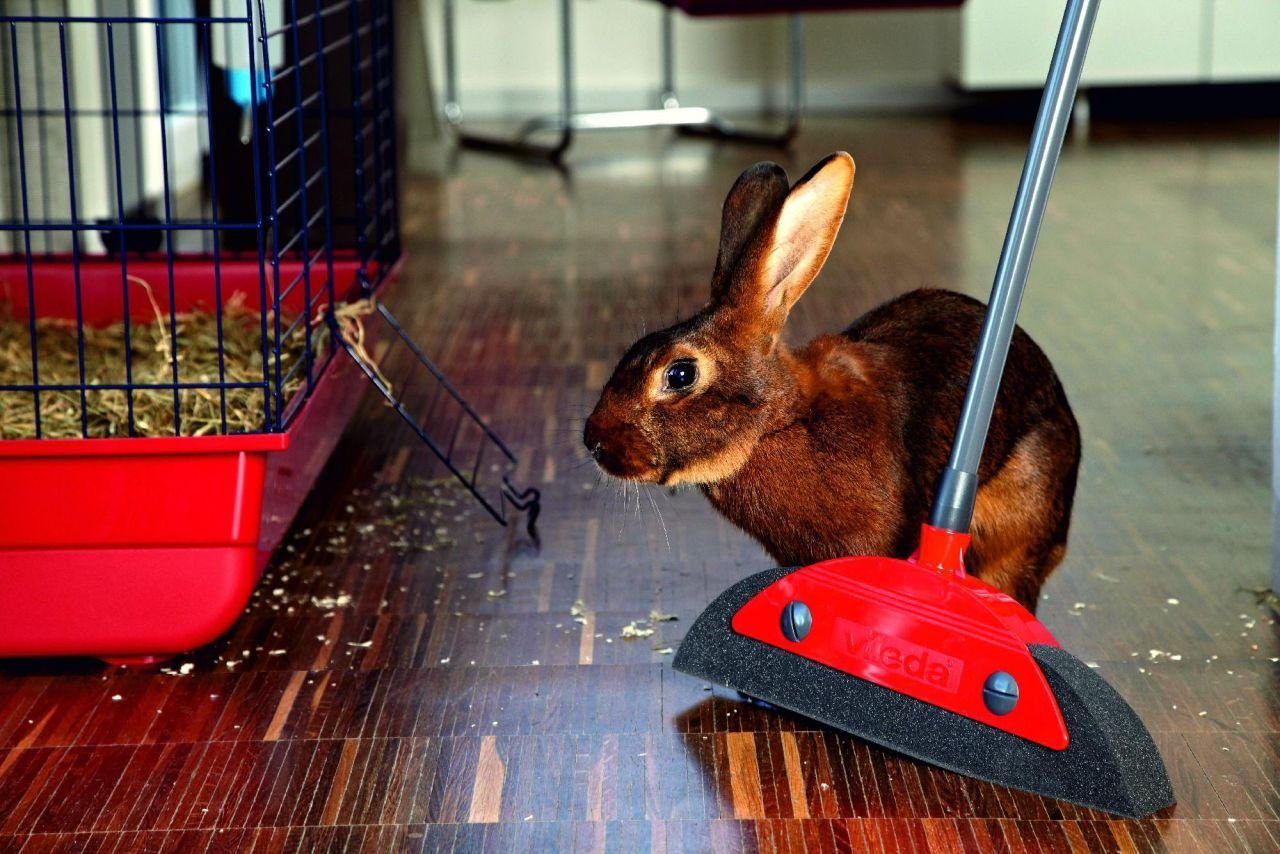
{"x": 1245, "y": 40}
{"x": 1005, "y": 44}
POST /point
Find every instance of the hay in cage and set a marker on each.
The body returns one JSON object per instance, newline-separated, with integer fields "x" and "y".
{"x": 199, "y": 410}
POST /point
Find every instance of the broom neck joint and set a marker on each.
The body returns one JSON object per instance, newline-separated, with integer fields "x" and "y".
{"x": 953, "y": 506}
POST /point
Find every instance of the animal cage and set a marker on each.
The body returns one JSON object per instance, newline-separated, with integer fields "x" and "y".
{"x": 198, "y": 216}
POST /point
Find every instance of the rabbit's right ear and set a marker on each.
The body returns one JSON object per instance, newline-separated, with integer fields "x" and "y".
{"x": 756, "y": 198}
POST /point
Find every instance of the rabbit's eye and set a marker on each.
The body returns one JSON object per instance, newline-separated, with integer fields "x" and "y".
{"x": 681, "y": 375}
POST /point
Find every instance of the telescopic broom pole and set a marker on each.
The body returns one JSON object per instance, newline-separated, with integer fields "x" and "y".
{"x": 953, "y": 506}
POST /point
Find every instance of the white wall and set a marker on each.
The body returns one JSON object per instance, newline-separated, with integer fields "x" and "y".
{"x": 508, "y": 56}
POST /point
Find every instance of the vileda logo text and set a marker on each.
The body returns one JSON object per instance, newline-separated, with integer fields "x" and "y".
{"x": 897, "y": 655}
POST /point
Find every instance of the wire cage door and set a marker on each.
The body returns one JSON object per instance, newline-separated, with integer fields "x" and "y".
{"x": 445, "y": 420}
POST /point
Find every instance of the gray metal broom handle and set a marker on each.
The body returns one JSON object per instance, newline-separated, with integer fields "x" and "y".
{"x": 953, "y": 506}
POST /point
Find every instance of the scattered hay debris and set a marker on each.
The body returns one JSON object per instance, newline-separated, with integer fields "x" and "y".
{"x": 1158, "y": 654}
{"x": 328, "y": 603}
{"x": 634, "y": 630}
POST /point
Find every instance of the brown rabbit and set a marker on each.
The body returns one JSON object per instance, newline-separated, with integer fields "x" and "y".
{"x": 836, "y": 448}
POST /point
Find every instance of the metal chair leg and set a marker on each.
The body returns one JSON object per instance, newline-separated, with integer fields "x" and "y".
{"x": 720, "y": 128}
{"x": 519, "y": 145}
{"x": 691, "y": 120}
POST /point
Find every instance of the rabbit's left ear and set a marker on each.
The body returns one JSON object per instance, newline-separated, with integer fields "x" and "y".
{"x": 789, "y": 252}
{"x": 755, "y": 199}
{"x": 804, "y": 233}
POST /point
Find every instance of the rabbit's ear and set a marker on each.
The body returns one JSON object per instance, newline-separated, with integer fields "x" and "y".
{"x": 786, "y": 255}
{"x": 756, "y": 197}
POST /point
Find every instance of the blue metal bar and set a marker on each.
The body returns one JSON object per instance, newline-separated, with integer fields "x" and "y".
{"x": 314, "y": 260}
{"x": 295, "y": 404}
{"x": 272, "y": 179}
{"x": 289, "y": 158}
{"x": 338, "y": 44}
{"x": 257, "y": 203}
{"x": 299, "y": 235}
{"x": 302, "y": 198}
{"x": 213, "y": 214}
{"x": 324, "y": 153}
{"x": 120, "y": 19}
{"x": 354, "y": 23}
{"x": 300, "y": 110}
{"x": 140, "y": 176}
{"x": 75, "y": 244}
{"x": 291, "y": 70}
{"x": 47, "y": 192}
{"x": 390, "y": 236}
{"x": 444, "y": 381}
{"x": 22, "y": 180}
{"x": 168, "y": 217}
{"x": 390, "y": 175}
{"x": 124, "y": 256}
{"x": 130, "y": 112}
{"x": 379, "y": 128}
{"x": 475, "y": 467}
{"x": 297, "y": 321}
{"x": 294, "y": 369}
{"x": 307, "y": 19}
{"x": 129, "y": 386}
{"x": 296, "y": 195}
{"x": 76, "y": 226}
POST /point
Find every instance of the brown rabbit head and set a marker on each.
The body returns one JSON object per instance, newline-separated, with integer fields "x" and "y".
{"x": 689, "y": 403}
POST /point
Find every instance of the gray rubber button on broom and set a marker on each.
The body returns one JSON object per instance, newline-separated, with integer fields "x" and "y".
{"x": 796, "y": 621}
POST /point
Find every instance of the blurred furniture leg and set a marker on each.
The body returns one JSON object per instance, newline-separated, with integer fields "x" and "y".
{"x": 1275, "y": 445}
{"x": 669, "y": 113}
{"x": 420, "y": 132}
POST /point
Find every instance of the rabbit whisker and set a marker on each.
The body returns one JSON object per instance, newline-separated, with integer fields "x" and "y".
{"x": 658, "y": 512}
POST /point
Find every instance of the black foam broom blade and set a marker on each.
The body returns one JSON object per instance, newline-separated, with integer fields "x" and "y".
{"x": 1111, "y": 763}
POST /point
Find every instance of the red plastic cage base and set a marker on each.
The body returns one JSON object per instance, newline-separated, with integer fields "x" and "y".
{"x": 133, "y": 550}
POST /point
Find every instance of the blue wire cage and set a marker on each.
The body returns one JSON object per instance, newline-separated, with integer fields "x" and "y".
{"x": 165, "y": 156}
{"x": 233, "y": 160}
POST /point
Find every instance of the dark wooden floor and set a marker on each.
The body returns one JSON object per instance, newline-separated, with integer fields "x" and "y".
{"x": 409, "y": 675}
